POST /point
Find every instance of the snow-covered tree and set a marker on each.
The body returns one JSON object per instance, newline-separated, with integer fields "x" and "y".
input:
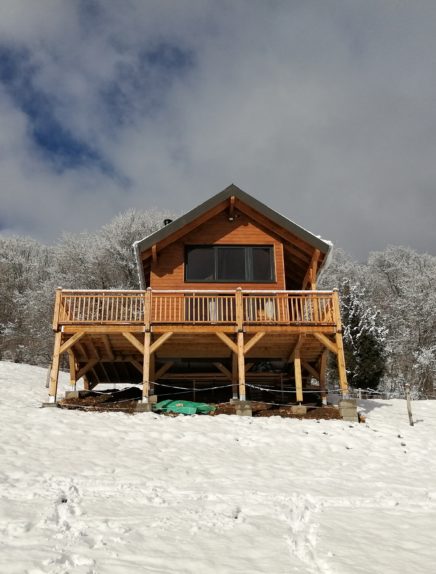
{"x": 364, "y": 338}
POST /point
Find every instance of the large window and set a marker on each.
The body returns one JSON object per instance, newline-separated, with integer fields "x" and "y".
{"x": 230, "y": 263}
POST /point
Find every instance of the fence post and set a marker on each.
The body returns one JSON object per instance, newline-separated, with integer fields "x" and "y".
{"x": 409, "y": 405}
{"x": 359, "y": 394}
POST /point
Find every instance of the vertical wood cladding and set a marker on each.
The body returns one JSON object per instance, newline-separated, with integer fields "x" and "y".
{"x": 169, "y": 271}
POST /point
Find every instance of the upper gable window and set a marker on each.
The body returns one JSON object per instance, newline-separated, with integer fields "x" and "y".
{"x": 230, "y": 263}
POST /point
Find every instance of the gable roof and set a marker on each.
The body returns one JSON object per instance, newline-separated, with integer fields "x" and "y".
{"x": 241, "y": 197}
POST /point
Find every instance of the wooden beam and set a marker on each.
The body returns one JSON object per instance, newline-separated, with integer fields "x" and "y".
{"x": 73, "y": 369}
{"x": 310, "y": 370}
{"x": 152, "y": 373}
{"x": 328, "y": 343}
{"x": 154, "y": 253}
{"x": 231, "y": 206}
{"x": 296, "y": 348}
{"x": 57, "y": 307}
{"x": 107, "y": 346}
{"x": 155, "y": 346}
{"x": 134, "y": 341}
{"x": 234, "y": 375}
{"x": 146, "y": 367}
{"x": 54, "y": 373}
{"x": 340, "y": 355}
{"x": 310, "y": 276}
{"x": 255, "y": 339}
{"x": 224, "y": 370}
{"x": 89, "y": 365}
{"x": 82, "y": 351}
{"x": 94, "y": 351}
{"x": 227, "y": 341}
{"x": 71, "y": 341}
{"x": 241, "y": 366}
{"x": 298, "y": 378}
{"x": 162, "y": 370}
{"x": 322, "y": 375}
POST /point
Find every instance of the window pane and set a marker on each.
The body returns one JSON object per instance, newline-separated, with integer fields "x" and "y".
{"x": 231, "y": 264}
{"x": 262, "y": 263}
{"x": 200, "y": 264}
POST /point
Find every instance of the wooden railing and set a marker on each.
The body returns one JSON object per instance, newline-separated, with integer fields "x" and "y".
{"x": 195, "y": 307}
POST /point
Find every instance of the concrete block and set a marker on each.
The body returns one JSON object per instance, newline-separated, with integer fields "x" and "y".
{"x": 298, "y": 409}
{"x": 348, "y": 410}
{"x": 44, "y": 405}
{"x": 72, "y": 394}
{"x": 144, "y": 407}
{"x": 243, "y": 408}
{"x": 348, "y": 403}
{"x": 152, "y": 399}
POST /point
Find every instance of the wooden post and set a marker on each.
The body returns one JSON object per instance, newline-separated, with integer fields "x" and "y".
{"x": 86, "y": 385}
{"x": 322, "y": 376}
{"x": 57, "y": 307}
{"x": 146, "y": 368}
{"x": 73, "y": 369}
{"x": 409, "y": 405}
{"x": 340, "y": 345}
{"x": 152, "y": 373}
{"x": 241, "y": 366}
{"x": 239, "y": 309}
{"x": 147, "y": 309}
{"x": 54, "y": 374}
{"x": 298, "y": 377}
{"x": 234, "y": 375}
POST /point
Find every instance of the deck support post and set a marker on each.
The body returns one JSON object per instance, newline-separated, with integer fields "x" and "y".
{"x": 152, "y": 373}
{"x": 146, "y": 368}
{"x": 73, "y": 369}
{"x": 54, "y": 373}
{"x": 241, "y": 366}
{"x": 322, "y": 376}
{"x": 234, "y": 376}
{"x": 343, "y": 384}
{"x": 298, "y": 377}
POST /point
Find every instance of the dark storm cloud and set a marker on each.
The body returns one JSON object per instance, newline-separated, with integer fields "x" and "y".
{"x": 323, "y": 110}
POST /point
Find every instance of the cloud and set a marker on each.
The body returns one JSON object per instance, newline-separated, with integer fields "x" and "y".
{"x": 323, "y": 110}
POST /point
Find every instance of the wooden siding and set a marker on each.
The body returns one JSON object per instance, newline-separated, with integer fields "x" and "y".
{"x": 168, "y": 272}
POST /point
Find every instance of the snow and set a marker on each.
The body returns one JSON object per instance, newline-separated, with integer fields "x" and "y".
{"x": 110, "y": 493}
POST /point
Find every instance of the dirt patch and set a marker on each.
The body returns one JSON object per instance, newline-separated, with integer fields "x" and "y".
{"x": 316, "y": 413}
{"x": 126, "y": 401}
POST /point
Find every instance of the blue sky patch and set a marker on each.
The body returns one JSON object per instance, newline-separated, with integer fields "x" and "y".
{"x": 59, "y": 145}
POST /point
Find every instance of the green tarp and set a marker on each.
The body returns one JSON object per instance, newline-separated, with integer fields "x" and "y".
{"x": 183, "y": 407}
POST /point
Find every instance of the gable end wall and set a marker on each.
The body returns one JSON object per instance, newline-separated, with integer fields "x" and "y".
{"x": 169, "y": 271}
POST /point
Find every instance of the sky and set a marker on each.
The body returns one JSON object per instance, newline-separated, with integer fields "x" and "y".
{"x": 324, "y": 110}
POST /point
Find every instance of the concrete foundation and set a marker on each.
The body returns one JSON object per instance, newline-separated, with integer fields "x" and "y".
{"x": 44, "y": 405}
{"x": 144, "y": 407}
{"x": 243, "y": 408}
{"x": 298, "y": 409}
{"x": 348, "y": 410}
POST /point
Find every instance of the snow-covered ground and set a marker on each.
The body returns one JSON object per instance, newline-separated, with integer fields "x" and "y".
{"x": 110, "y": 493}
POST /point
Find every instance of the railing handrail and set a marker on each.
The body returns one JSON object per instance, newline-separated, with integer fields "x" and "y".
{"x": 202, "y": 291}
{"x": 197, "y": 306}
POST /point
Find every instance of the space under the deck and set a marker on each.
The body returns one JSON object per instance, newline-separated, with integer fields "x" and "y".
{"x": 198, "y": 361}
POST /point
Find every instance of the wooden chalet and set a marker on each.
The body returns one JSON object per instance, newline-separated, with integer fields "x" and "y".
{"x": 228, "y": 300}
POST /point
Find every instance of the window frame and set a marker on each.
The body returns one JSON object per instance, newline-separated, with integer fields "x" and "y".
{"x": 248, "y": 253}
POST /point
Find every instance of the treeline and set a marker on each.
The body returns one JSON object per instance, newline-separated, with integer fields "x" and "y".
{"x": 388, "y": 303}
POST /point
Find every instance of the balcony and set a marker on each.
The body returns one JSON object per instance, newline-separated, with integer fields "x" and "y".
{"x": 237, "y": 308}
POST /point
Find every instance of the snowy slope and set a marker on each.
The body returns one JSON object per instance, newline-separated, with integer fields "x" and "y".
{"x": 109, "y": 493}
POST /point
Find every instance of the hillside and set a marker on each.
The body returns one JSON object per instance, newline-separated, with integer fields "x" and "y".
{"x": 110, "y": 493}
